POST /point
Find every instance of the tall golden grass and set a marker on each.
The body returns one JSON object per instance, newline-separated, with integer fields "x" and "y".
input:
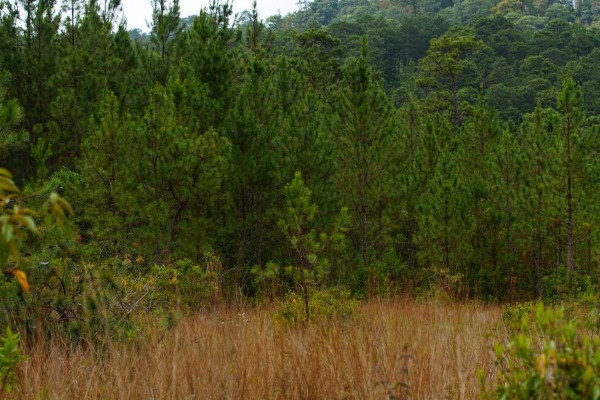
{"x": 393, "y": 350}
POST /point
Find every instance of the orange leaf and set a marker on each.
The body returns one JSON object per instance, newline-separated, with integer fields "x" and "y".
{"x": 22, "y": 279}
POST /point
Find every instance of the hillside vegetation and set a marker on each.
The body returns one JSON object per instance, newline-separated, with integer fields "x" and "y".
{"x": 278, "y": 183}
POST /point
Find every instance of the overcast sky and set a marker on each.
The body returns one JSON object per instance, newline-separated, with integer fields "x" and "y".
{"x": 140, "y": 11}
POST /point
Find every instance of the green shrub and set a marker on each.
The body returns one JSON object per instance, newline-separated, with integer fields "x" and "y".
{"x": 183, "y": 284}
{"x": 548, "y": 357}
{"x": 332, "y": 304}
{"x": 67, "y": 297}
{"x": 562, "y": 285}
{"x": 268, "y": 279}
{"x": 514, "y": 314}
{"x": 438, "y": 284}
{"x": 10, "y": 357}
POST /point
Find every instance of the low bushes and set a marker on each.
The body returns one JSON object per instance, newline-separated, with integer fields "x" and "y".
{"x": 324, "y": 305}
{"x": 549, "y": 355}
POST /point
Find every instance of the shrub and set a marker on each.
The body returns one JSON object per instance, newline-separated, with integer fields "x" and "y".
{"x": 332, "y": 304}
{"x": 439, "y": 284}
{"x": 183, "y": 284}
{"x": 10, "y": 357}
{"x": 512, "y": 315}
{"x": 549, "y": 356}
{"x": 561, "y": 285}
{"x": 268, "y": 280}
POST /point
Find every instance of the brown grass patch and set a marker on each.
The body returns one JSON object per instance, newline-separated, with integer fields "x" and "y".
{"x": 394, "y": 350}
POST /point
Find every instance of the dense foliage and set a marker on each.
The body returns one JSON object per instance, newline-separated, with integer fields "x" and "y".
{"x": 210, "y": 157}
{"x": 551, "y": 355}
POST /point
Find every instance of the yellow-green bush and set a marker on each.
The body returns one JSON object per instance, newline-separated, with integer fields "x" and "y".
{"x": 549, "y": 356}
{"x": 332, "y": 304}
{"x": 183, "y": 284}
{"x": 10, "y": 357}
{"x": 514, "y": 314}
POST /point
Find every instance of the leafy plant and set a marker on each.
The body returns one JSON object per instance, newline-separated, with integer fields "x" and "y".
{"x": 331, "y": 304}
{"x": 16, "y": 221}
{"x": 10, "y": 357}
{"x": 439, "y": 284}
{"x": 564, "y": 285}
{"x": 512, "y": 315}
{"x": 41, "y": 152}
{"x": 184, "y": 284}
{"x": 267, "y": 279}
{"x": 548, "y": 357}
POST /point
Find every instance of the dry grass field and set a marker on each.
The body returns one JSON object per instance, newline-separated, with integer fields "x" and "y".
{"x": 392, "y": 350}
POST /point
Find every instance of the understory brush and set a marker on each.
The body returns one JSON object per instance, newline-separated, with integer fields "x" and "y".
{"x": 333, "y": 304}
{"x": 552, "y": 352}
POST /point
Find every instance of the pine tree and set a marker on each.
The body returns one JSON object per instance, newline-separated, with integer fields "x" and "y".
{"x": 481, "y": 132}
{"x": 11, "y": 55}
{"x": 303, "y": 143}
{"x": 443, "y": 67}
{"x": 539, "y": 200}
{"x": 209, "y": 52}
{"x": 296, "y": 226}
{"x": 570, "y": 100}
{"x": 105, "y": 164}
{"x": 410, "y": 177}
{"x": 506, "y": 174}
{"x": 68, "y": 74}
{"x": 40, "y": 63}
{"x": 86, "y": 64}
{"x": 165, "y": 28}
{"x": 361, "y": 129}
{"x": 252, "y": 130}
{"x": 180, "y": 170}
{"x": 442, "y": 210}
{"x": 317, "y": 56}
{"x": 309, "y": 245}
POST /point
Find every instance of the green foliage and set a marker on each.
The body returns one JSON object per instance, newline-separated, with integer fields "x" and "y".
{"x": 17, "y": 221}
{"x": 439, "y": 285}
{"x": 11, "y": 115}
{"x": 71, "y": 298}
{"x": 41, "y": 152}
{"x": 165, "y": 29}
{"x": 10, "y": 358}
{"x": 308, "y": 245}
{"x": 13, "y": 220}
{"x": 362, "y": 130}
{"x": 513, "y": 315}
{"x": 435, "y": 122}
{"x": 549, "y": 357}
{"x": 332, "y": 305}
{"x": 444, "y": 65}
{"x": 300, "y": 213}
{"x": 183, "y": 285}
{"x": 561, "y": 285}
{"x": 268, "y": 279}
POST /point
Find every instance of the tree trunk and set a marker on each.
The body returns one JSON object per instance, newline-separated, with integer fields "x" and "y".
{"x": 570, "y": 239}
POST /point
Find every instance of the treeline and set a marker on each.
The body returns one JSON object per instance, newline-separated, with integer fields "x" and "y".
{"x": 384, "y": 146}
